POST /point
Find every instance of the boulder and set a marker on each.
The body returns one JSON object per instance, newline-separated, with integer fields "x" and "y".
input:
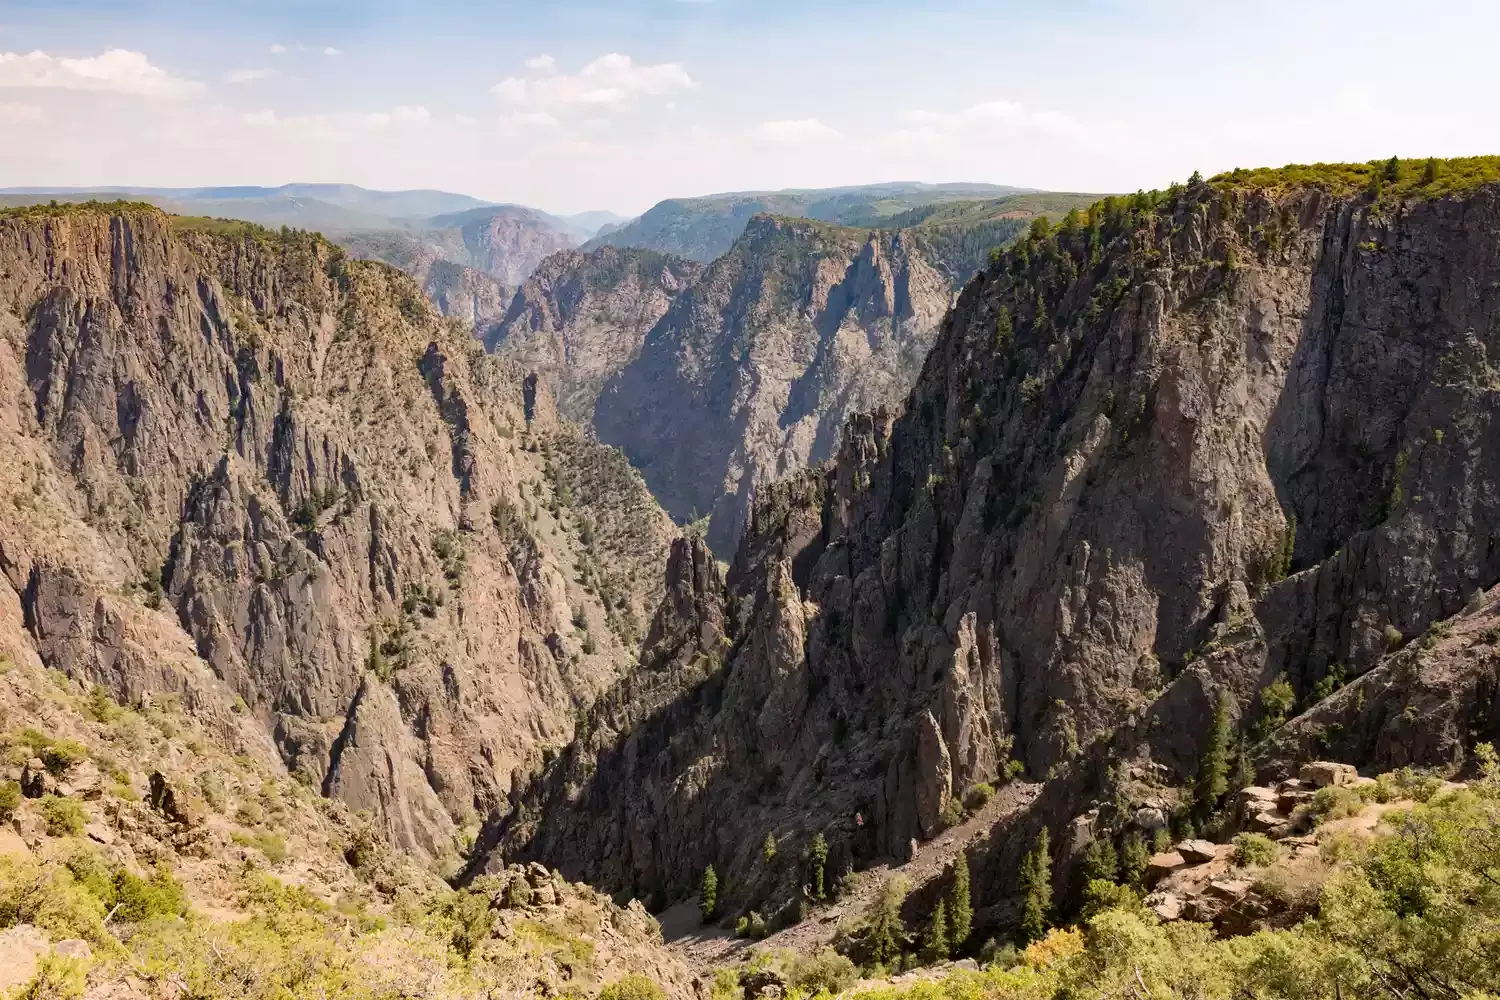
{"x": 99, "y": 833}
{"x": 1267, "y": 821}
{"x": 171, "y": 803}
{"x": 36, "y": 780}
{"x": 763, "y": 985}
{"x": 1286, "y": 802}
{"x": 1230, "y": 889}
{"x": 20, "y": 948}
{"x": 1162, "y": 865}
{"x": 11, "y": 844}
{"x": 1149, "y": 818}
{"x": 1197, "y": 852}
{"x": 75, "y": 948}
{"x": 1166, "y": 905}
{"x": 1326, "y": 774}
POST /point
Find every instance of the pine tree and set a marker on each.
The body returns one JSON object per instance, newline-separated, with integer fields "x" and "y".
{"x": 1036, "y": 887}
{"x": 1213, "y": 768}
{"x": 768, "y": 849}
{"x": 818, "y": 852}
{"x": 708, "y": 893}
{"x": 1100, "y": 861}
{"x": 1393, "y": 169}
{"x": 935, "y": 941}
{"x": 960, "y": 904}
{"x": 886, "y": 928}
{"x": 1134, "y": 857}
{"x": 1429, "y": 172}
{"x": 1005, "y": 331}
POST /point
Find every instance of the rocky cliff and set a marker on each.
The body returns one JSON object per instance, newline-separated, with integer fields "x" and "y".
{"x": 750, "y": 374}
{"x": 582, "y": 317}
{"x": 270, "y": 481}
{"x": 1205, "y": 441}
{"x": 509, "y": 241}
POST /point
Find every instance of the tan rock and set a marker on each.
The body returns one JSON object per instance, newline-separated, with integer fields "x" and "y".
{"x": 1266, "y": 822}
{"x": 11, "y": 843}
{"x": 1166, "y": 905}
{"x": 20, "y": 948}
{"x": 1325, "y": 774}
{"x": 1162, "y": 865}
{"x": 1229, "y": 890}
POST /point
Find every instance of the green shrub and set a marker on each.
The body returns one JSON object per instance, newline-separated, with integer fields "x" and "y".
{"x": 633, "y": 987}
{"x": 140, "y": 899}
{"x": 64, "y": 817}
{"x": 272, "y": 845}
{"x": 978, "y": 796}
{"x": 1254, "y": 849}
{"x": 1336, "y": 802}
{"x": 518, "y": 893}
{"x": 10, "y": 800}
{"x": 827, "y": 970}
{"x": 57, "y": 978}
{"x": 63, "y": 755}
{"x": 50, "y": 898}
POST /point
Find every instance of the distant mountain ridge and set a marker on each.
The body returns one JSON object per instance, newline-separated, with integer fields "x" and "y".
{"x": 704, "y": 228}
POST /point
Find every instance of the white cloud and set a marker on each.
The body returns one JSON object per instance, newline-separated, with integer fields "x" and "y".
{"x": 339, "y": 125}
{"x": 992, "y": 115}
{"x": 331, "y": 51}
{"x": 795, "y": 131}
{"x": 542, "y": 63}
{"x": 277, "y": 49}
{"x": 18, "y": 114}
{"x": 248, "y": 75}
{"x": 464, "y": 120}
{"x": 117, "y": 70}
{"x": 515, "y": 122}
{"x": 612, "y": 82}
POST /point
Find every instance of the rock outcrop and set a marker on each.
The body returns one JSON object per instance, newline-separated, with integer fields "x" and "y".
{"x": 1198, "y": 443}
{"x": 581, "y": 318}
{"x": 268, "y": 481}
{"x": 749, "y": 376}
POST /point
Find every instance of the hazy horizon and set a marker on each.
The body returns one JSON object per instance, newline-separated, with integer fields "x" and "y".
{"x": 578, "y": 107}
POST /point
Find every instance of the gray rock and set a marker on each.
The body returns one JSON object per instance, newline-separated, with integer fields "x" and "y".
{"x": 1197, "y": 852}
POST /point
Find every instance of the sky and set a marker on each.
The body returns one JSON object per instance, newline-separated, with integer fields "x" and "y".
{"x": 570, "y": 106}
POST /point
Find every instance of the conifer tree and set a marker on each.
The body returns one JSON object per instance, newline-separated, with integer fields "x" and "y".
{"x": 818, "y": 852}
{"x": 1036, "y": 888}
{"x": 768, "y": 848}
{"x": 1393, "y": 169}
{"x": 1213, "y": 768}
{"x": 1100, "y": 861}
{"x": 1005, "y": 330}
{"x": 708, "y": 893}
{"x": 886, "y": 928}
{"x": 1134, "y": 857}
{"x": 1429, "y": 172}
{"x": 960, "y": 904}
{"x": 935, "y": 941}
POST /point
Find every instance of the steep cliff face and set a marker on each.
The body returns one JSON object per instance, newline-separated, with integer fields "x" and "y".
{"x": 438, "y": 261}
{"x": 1207, "y": 439}
{"x": 582, "y": 317}
{"x": 269, "y": 480}
{"x": 509, "y": 241}
{"x": 750, "y": 374}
